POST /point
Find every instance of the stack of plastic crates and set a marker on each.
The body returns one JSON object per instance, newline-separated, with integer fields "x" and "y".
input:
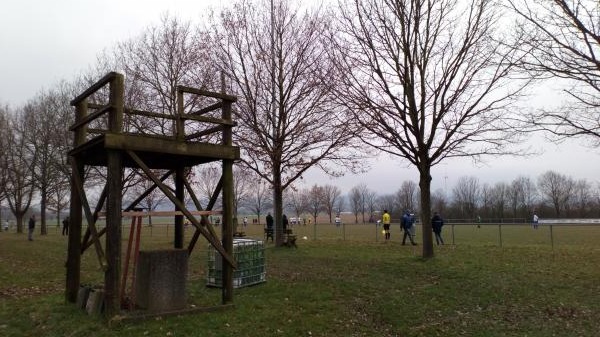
{"x": 250, "y": 257}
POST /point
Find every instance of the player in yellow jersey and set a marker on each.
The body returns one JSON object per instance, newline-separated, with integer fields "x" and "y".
{"x": 386, "y": 219}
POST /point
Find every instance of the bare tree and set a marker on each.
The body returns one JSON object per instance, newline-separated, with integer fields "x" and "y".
{"x": 364, "y": 193}
{"x": 205, "y": 179}
{"x": 530, "y": 194}
{"x": 389, "y": 202}
{"x": 61, "y": 93}
{"x": 20, "y": 185}
{"x": 356, "y": 204}
{"x": 524, "y": 195}
{"x": 439, "y": 201}
{"x": 556, "y": 189}
{"x": 298, "y": 201}
{"x": 466, "y": 195}
{"x": 407, "y": 195}
{"x": 276, "y": 59}
{"x": 259, "y": 198}
{"x": 596, "y": 199}
{"x": 485, "y": 202}
{"x": 429, "y": 80}
{"x": 331, "y": 194}
{"x": 4, "y": 129}
{"x": 242, "y": 187}
{"x": 340, "y": 204}
{"x": 58, "y": 200}
{"x": 513, "y": 195}
{"x": 371, "y": 204}
{"x": 499, "y": 200}
{"x": 563, "y": 42}
{"x": 582, "y": 200}
{"x": 315, "y": 201}
{"x": 165, "y": 55}
{"x": 47, "y": 120}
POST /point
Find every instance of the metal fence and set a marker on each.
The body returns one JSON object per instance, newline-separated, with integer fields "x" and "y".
{"x": 550, "y": 233}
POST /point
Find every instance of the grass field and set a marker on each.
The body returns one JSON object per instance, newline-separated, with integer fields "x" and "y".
{"x": 347, "y": 282}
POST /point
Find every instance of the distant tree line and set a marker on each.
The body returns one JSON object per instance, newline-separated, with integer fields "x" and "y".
{"x": 551, "y": 195}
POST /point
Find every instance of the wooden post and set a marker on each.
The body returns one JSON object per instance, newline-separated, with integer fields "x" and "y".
{"x": 113, "y": 234}
{"x": 179, "y": 126}
{"x": 179, "y": 195}
{"x": 179, "y": 173}
{"x": 113, "y": 205}
{"x": 227, "y": 227}
{"x": 551, "y": 238}
{"x": 75, "y": 214}
{"x": 500, "y": 233}
{"x": 117, "y": 102}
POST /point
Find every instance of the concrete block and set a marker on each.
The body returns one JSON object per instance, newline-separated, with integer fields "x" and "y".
{"x": 160, "y": 283}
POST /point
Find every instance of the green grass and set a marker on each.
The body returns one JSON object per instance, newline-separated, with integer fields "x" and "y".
{"x": 336, "y": 287}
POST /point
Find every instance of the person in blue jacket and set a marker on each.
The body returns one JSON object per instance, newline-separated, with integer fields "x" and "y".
{"x": 407, "y": 223}
{"x": 436, "y": 224}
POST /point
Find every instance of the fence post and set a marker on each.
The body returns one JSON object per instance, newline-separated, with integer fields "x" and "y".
{"x": 500, "y": 232}
{"x": 376, "y": 233}
{"x": 551, "y": 237}
{"x": 453, "y": 235}
{"x": 344, "y": 230}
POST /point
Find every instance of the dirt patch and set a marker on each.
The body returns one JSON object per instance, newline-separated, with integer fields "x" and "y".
{"x": 28, "y": 292}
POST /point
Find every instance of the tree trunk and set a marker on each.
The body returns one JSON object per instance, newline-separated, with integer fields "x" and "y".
{"x": 19, "y": 218}
{"x": 425, "y": 185}
{"x": 43, "y": 202}
{"x": 278, "y": 207}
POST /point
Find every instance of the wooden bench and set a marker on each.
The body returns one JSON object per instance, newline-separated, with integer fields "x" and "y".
{"x": 268, "y": 234}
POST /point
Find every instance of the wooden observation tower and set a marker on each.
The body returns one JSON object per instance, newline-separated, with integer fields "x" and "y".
{"x": 106, "y": 134}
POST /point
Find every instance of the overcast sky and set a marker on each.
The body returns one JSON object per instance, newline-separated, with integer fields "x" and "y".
{"x": 45, "y": 41}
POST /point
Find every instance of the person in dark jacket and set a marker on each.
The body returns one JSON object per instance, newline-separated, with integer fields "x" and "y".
{"x": 31, "y": 228}
{"x": 407, "y": 223}
{"x": 65, "y": 229}
{"x": 269, "y": 230}
{"x": 436, "y": 224}
{"x": 285, "y": 222}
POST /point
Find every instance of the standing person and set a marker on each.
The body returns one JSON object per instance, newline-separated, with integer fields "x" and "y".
{"x": 407, "y": 223}
{"x": 436, "y": 224}
{"x": 245, "y": 222}
{"x": 386, "y": 219}
{"x": 65, "y": 229}
{"x": 535, "y": 220}
{"x": 269, "y": 229}
{"x": 285, "y": 222}
{"x": 31, "y": 227}
{"x": 6, "y": 226}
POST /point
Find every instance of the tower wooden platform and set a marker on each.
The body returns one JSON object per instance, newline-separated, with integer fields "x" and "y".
{"x": 106, "y": 134}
